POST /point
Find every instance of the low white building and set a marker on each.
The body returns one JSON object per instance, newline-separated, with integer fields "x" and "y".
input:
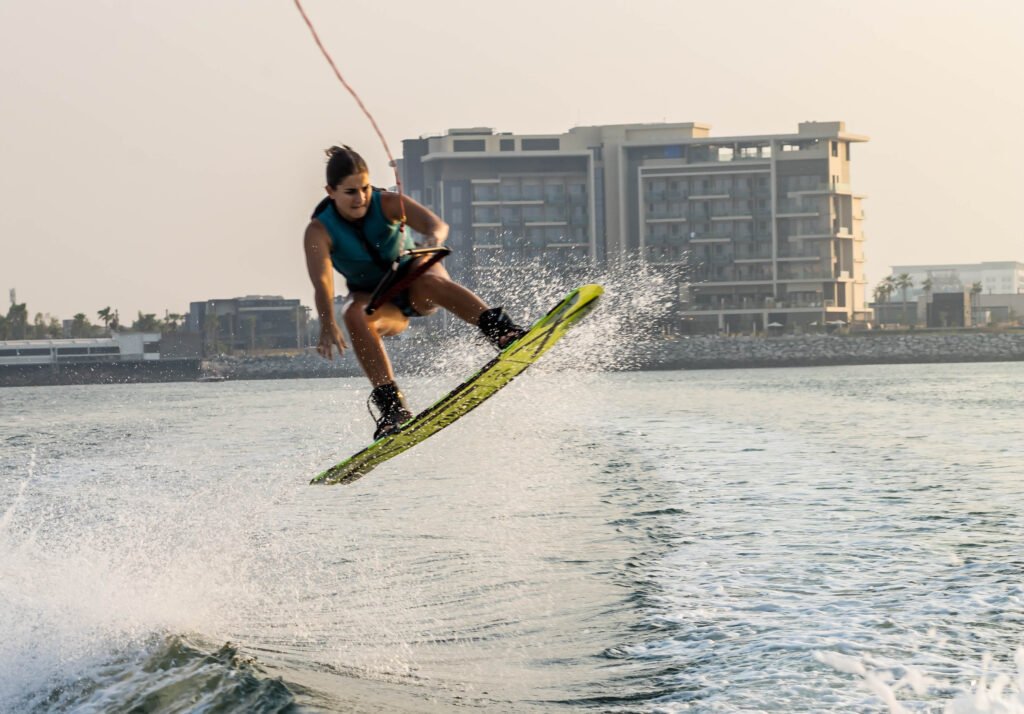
{"x": 995, "y": 277}
{"x": 121, "y": 347}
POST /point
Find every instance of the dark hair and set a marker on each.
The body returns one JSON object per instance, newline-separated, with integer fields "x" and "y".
{"x": 342, "y": 162}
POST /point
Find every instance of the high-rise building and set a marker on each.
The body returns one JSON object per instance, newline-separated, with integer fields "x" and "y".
{"x": 760, "y": 229}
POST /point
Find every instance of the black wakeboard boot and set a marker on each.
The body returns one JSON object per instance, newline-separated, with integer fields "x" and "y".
{"x": 390, "y": 402}
{"x": 498, "y": 328}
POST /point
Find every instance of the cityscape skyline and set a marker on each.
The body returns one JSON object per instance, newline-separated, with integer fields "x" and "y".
{"x": 174, "y": 141}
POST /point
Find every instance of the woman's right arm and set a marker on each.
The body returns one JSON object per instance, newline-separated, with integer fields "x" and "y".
{"x": 321, "y": 274}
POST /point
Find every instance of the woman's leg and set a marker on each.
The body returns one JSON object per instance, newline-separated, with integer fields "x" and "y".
{"x": 365, "y": 332}
{"x": 436, "y": 289}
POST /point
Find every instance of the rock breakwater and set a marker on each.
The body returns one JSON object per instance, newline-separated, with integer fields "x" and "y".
{"x": 703, "y": 352}
{"x": 715, "y": 352}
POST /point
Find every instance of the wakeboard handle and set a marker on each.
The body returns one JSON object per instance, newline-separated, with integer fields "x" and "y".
{"x": 395, "y": 281}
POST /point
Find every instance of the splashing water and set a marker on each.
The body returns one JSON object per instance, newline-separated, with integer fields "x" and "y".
{"x": 1002, "y": 694}
{"x": 622, "y": 333}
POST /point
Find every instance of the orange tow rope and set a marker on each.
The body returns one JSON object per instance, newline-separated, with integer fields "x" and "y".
{"x": 387, "y": 149}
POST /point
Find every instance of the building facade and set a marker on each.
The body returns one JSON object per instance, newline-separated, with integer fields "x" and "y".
{"x": 121, "y": 357}
{"x": 249, "y": 323}
{"x": 758, "y": 229}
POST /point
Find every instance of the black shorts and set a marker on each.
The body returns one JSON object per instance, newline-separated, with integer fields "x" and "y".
{"x": 403, "y": 303}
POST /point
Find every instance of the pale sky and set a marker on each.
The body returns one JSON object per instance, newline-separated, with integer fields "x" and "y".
{"x": 156, "y": 152}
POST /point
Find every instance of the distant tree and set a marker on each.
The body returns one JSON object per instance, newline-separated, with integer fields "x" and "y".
{"x": 903, "y": 283}
{"x": 106, "y": 314}
{"x": 172, "y": 321}
{"x": 889, "y": 282}
{"x": 54, "y": 329}
{"x": 976, "y": 289}
{"x": 80, "y": 326}
{"x": 146, "y": 323}
{"x": 926, "y": 287}
{"x": 884, "y": 289}
{"x": 115, "y": 321}
{"x": 38, "y": 331}
{"x": 17, "y": 321}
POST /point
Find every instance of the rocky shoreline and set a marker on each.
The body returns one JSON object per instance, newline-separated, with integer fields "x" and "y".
{"x": 819, "y": 350}
{"x": 702, "y": 352}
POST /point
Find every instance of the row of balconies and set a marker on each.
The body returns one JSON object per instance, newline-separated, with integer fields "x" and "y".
{"x": 757, "y": 304}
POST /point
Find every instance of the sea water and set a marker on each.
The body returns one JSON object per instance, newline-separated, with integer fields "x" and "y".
{"x": 842, "y": 539}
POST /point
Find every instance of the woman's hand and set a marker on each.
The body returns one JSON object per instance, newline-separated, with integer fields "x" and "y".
{"x": 330, "y": 336}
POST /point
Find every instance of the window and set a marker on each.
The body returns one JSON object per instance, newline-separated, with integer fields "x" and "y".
{"x": 835, "y": 148}
{"x": 554, "y": 191}
{"x": 456, "y": 194}
{"x": 507, "y": 144}
{"x": 510, "y": 190}
{"x": 540, "y": 144}
{"x": 553, "y": 234}
{"x": 469, "y": 145}
{"x": 555, "y": 212}
{"x": 485, "y": 192}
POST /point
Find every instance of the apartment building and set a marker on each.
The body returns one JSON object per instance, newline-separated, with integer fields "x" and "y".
{"x": 758, "y": 229}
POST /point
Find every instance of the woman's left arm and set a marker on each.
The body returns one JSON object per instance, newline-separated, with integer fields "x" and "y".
{"x": 417, "y": 216}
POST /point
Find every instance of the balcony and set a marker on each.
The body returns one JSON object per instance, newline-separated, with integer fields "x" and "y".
{"x": 828, "y": 188}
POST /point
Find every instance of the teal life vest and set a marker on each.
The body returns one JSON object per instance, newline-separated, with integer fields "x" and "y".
{"x": 363, "y": 251}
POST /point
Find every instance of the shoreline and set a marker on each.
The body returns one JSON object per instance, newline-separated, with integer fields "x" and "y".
{"x": 680, "y": 353}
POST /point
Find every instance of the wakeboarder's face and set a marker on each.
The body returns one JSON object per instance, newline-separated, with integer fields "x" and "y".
{"x": 352, "y": 196}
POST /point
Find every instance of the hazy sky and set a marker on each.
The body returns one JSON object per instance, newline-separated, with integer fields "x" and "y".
{"x": 155, "y": 152}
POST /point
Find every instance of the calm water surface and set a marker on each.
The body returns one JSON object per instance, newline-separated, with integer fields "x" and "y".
{"x": 817, "y": 539}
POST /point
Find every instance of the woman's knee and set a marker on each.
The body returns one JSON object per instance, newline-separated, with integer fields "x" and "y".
{"x": 354, "y": 312}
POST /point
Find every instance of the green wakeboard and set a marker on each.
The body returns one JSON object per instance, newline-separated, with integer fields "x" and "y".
{"x": 501, "y": 370}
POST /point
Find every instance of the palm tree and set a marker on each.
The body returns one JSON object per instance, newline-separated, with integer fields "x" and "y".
{"x": 882, "y": 291}
{"x": 146, "y": 323}
{"x": 172, "y": 321}
{"x": 975, "y": 292}
{"x": 39, "y": 327}
{"x": 80, "y": 326}
{"x": 903, "y": 282}
{"x": 889, "y": 283}
{"x": 106, "y": 314}
{"x": 926, "y": 288}
{"x": 17, "y": 321}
